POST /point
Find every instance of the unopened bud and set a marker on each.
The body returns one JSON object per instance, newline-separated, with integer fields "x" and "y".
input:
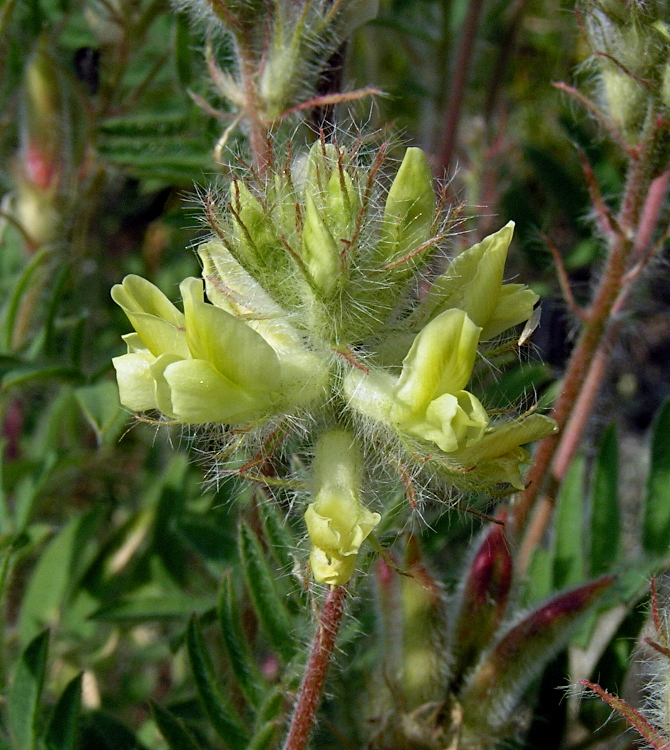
{"x": 483, "y": 600}
{"x": 423, "y": 622}
{"x": 409, "y": 211}
{"x": 495, "y": 687}
{"x": 320, "y": 252}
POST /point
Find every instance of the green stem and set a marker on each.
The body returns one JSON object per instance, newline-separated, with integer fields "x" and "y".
{"x": 314, "y": 679}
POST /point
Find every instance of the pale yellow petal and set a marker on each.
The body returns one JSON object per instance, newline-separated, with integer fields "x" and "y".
{"x": 136, "y": 384}
{"x": 440, "y": 361}
{"x": 236, "y": 351}
{"x": 200, "y": 394}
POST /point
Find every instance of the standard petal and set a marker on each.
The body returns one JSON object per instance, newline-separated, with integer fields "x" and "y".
{"x": 135, "y": 294}
{"x": 136, "y": 384}
{"x": 157, "y": 321}
{"x": 472, "y": 282}
{"x": 236, "y": 351}
{"x": 232, "y": 289}
{"x": 200, "y": 394}
{"x": 440, "y": 360}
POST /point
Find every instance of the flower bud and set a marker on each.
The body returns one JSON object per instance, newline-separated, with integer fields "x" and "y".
{"x": 501, "y": 677}
{"x": 320, "y": 252}
{"x": 483, "y": 600}
{"x": 337, "y": 522}
{"x": 253, "y": 231}
{"x": 409, "y": 212}
{"x": 423, "y": 612}
{"x": 53, "y": 143}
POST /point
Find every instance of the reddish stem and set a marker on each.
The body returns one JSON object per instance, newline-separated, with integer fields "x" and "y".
{"x": 314, "y": 680}
{"x": 607, "y": 294}
{"x": 461, "y": 70}
{"x": 259, "y": 136}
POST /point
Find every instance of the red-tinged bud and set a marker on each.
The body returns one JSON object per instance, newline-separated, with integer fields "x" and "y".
{"x": 494, "y": 689}
{"x": 39, "y": 169}
{"x": 483, "y": 600}
{"x": 53, "y": 146}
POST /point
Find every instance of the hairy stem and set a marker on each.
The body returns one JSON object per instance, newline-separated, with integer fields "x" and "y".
{"x": 259, "y": 136}
{"x": 314, "y": 679}
{"x": 461, "y": 71}
{"x": 606, "y": 296}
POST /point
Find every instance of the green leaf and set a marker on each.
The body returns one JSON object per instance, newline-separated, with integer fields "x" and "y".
{"x": 21, "y": 286}
{"x": 52, "y": 577}
{"x": 57, "y": 288}
{"x": 5, "y": 517}
{"x": 265, "y": 736}
{"x": 182, "y": 49}
{"x": 272, "y": 707}
{"x": 220, "y": 713}
{"x": 569, "y": 564}
{"x": 173, "y": 729}
{"x": 24, "y": 375}
{"x": 605, "y": 525}
{"x": 268, "y": 604}
{"x": 102, "y": 409}
{"x": 63, "y": 727}
{"x": 278, "y": 534}
{"x": 28, "y": 490}
{"x": 25, "y": 692}
{"x": 167, "y": 607}
{"x": 656, "y": 512}
{"x": 103, "y": 732}
{"x": 539, "y": 579}
{"x": 241, "y": 660}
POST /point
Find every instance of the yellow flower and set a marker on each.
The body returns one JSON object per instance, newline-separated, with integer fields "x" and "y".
{"x": 427, "y": 401}
{"x": 206, "y": 364}
{"x": 337, "y": 522}
{"x": 474, "y": 283}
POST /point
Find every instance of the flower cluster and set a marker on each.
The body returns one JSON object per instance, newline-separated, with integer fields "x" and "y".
{"x": 312, "y": 308}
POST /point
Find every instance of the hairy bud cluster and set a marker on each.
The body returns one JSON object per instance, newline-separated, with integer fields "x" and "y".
{"x": 287, "y": 43}
{"x": 312, "y": 310}
{"x": 632, "y": 44}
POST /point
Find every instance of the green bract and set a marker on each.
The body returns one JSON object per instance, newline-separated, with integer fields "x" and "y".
{"x": 313, "y": 319}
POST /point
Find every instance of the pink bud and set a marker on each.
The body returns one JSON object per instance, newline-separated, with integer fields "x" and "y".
{"x": 37, "y": 167}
